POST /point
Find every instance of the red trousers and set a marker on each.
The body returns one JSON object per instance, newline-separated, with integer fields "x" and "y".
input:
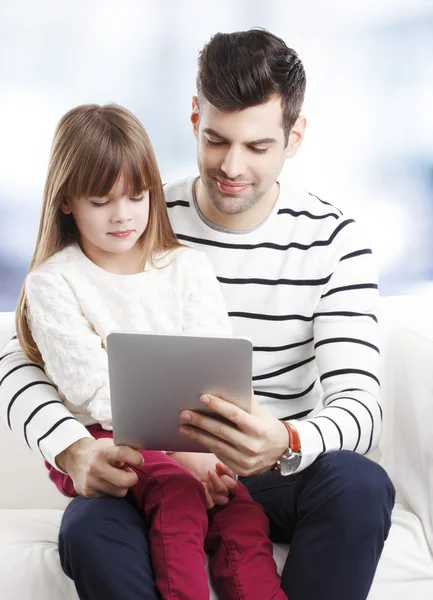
{"x": 181, "y": 530}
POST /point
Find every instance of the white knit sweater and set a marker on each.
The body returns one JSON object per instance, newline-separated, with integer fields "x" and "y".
{"x": 73, "y": 305}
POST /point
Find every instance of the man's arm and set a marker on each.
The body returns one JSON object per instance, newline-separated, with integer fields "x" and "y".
{"x": 347, "y": 355}
{"x": 31, "y": 407}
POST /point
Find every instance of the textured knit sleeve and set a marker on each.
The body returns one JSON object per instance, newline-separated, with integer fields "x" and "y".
{"x": 74, "y": 355}
{"x": 204, "y": 309}
{"x": 31, "y": 407}
{"x": 347, "y": 353}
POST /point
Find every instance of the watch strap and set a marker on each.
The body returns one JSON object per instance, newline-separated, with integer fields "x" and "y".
{"x": 294, "y": 439}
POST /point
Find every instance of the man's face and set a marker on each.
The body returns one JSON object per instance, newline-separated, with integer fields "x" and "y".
{"x": 240, "y": 154}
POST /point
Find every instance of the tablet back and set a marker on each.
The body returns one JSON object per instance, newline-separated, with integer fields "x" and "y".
{"x": 153, "y": 377}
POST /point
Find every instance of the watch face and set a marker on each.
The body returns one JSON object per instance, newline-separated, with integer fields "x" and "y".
{"x": 290, "y": 463}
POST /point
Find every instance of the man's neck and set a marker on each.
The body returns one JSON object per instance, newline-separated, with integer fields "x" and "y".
{"x": 245, "y": 221}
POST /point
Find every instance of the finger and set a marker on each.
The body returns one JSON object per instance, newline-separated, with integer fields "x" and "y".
{"x": 209, "y": 500}
{"x": 244, "y": 420}
{"x": 247, "y": 426}
{"x": 95, "y": 488}
{"x": 230, "y": 484}
{"x": 215, "y": 428}
{"x": 112, "y": 490}
{"x": 223, "y": 450}
{"x": 125, "y": 454}
{"x": 223, "y": 469}
{"x": 114, "y": 477}
{"x": 217, "y": 484}
{"x": 220, "y": 500}
{"x": 256, "y": 409}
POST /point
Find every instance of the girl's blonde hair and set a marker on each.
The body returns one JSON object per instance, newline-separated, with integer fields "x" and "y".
{"x": 93, "y": 145}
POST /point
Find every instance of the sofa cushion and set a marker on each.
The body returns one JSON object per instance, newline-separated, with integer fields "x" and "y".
{"x": 405, "y": 569}
{"x": 28, "y": 543}
{"x": 29, "y": 559}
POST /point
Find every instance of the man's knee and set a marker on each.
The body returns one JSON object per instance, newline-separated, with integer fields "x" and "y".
{"x": 356, "y": 473}
{"x": 357, "y": 486}
{"x": 91, "y": 518}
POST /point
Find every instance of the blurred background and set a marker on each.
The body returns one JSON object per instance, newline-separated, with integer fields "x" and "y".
{"x": 369, "y": 143}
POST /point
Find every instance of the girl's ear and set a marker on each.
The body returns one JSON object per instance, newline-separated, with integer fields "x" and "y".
{"x": 66, "y": 206}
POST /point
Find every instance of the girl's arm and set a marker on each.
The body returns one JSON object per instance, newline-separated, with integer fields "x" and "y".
{"x": 74, "y": 354}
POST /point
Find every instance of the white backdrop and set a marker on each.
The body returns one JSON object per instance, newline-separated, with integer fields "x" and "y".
{"x": 369, "y": 144}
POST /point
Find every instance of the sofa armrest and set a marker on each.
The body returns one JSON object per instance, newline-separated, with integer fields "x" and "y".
{"x": 406, "y": 444}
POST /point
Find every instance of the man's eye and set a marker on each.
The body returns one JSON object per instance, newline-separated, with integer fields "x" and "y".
{"x": 99, "y": 203}
{"x": 213, "y": 142}
{"x": 258, "y": 150}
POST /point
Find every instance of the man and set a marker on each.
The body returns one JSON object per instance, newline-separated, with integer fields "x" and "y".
{"x": 298, "y": 280}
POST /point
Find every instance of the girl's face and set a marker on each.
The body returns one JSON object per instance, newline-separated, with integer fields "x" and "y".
{"x": 110, "y": 225}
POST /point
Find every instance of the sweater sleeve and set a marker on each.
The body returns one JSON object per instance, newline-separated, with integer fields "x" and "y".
{"x": 347, "y": 354}
{"x": 30, "y": 406}
{"x": 74, "y": 354}
{"x": 204, "y": 309}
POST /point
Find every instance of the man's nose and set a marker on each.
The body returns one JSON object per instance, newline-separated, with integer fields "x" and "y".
{"x": 233, "y": 164}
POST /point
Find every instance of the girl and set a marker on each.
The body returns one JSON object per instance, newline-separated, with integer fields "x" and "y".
{"x": 106, "y": 259}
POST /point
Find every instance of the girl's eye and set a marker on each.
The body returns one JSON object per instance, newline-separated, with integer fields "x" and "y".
{"x": 137, "y": 199}
{"x": 99, "y": 203}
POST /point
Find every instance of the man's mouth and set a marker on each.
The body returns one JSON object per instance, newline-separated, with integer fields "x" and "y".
{"x": 232, "y": 187}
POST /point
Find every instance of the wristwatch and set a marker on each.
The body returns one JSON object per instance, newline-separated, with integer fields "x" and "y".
{"x": 291, "y": 458}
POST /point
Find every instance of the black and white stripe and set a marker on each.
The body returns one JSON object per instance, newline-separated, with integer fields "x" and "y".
{"x": 303, "y": 287}
{"x": 30, "y": 406}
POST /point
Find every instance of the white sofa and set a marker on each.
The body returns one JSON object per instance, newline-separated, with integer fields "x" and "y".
{"x": 31, "y": 508}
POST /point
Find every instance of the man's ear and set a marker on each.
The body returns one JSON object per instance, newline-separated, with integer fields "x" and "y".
{"x": 296, "y": 136}
{"x": 195, "y": 115}
{"x": 66, "y": 206}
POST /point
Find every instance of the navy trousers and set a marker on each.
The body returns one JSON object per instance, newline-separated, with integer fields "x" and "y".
{"x": 336, "y": 515}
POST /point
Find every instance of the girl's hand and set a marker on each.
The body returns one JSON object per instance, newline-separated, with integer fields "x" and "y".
{"x": 218, "y": 480}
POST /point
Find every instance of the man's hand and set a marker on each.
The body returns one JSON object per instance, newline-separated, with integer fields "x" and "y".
{"x": 218, "y": 480}
{"x": 97, "y": 467}
{"x": 250, "y": 448}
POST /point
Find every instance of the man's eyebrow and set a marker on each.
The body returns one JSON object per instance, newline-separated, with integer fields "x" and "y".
{"x": 214, "y": 133}
{"x": 267, "y": 140}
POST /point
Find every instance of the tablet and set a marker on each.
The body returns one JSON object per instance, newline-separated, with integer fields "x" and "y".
{"x": 153, "y": 377}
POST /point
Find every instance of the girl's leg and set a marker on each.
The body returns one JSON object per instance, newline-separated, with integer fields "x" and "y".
{"x": 240, "y": 550}
{"x": 174, "y": 503}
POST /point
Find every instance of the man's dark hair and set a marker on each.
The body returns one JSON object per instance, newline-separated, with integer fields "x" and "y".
{"x": 243, "y": 69}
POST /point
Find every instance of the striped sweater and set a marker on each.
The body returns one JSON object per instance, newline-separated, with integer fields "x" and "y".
{"x": 303, "y": 287}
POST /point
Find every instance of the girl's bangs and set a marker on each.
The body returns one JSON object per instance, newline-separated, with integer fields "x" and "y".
{"x": 96, "y": 175}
